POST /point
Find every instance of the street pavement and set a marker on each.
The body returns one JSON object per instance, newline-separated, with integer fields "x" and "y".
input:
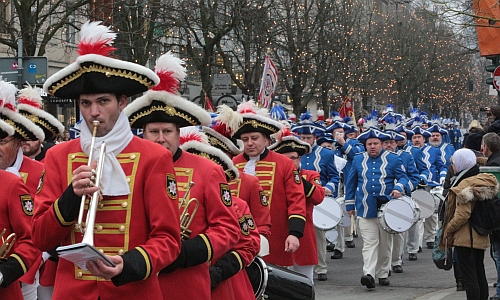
{"x": 420, "y": 280}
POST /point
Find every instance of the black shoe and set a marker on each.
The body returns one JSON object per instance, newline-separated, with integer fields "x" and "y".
{"x": 389, "y": 273}
{"x": 337, "y": 254}
{"x": 419, "y": 249}
{"x": 412, "y": 256}
{"x": 494, "y": 284}
{"x": 397, "y": 269}
{"x": 330, "y": 247}
{"x": 383, "y": 281}
{"x": 430, "y": 245}
{"x": 354, "y": 234}
{"x": 322, "y": 277}
{"x": 368, "y": 281}
{"x": 460, "y": 285}
{"x": 350, "y": 244}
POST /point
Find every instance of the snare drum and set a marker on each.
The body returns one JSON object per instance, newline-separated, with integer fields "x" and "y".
{"x": 396, "y": 216}
{"x": 327, "y": 214}
{"x": 414, "y": 206}
{"x": 426, "y": 202}
{"x": 274, "y": 282}
{"x": 437, "y": 192}
{"x": 345, "y": 221}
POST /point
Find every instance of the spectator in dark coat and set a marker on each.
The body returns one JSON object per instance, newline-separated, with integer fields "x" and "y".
{"x": 491, "y": 149}
{"x": 495, "y": 125}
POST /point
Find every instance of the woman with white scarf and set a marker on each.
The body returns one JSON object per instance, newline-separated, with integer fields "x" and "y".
{"x": 468, "y": 187}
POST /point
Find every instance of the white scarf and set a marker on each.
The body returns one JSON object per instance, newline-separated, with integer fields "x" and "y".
{"x": 250, "y": 165}
{"x": 114, "y": 181}
{"x": 14, "y": 169}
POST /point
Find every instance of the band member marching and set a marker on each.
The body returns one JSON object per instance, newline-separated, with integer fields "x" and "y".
{"x": 213, "y": 230}
{"x": 136, "y": 223}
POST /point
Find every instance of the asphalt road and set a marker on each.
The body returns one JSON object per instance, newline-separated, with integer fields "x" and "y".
{"x": 420, "y": 279}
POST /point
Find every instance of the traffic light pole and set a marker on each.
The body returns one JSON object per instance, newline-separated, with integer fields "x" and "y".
{"x": 20, "y": 63}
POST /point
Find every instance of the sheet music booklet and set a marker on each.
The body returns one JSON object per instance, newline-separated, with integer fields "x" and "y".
{"x": 80, "y": 253}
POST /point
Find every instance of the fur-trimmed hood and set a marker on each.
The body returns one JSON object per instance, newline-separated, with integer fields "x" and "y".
{"x": 480, "y": 187}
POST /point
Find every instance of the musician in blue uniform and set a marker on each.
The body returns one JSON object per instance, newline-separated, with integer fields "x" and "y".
{"x": 414, "y": 179}
{"x": 376, "y": 177}
{"x": 454, "y": 124}
{"x": 346, "y": 147}
{"x": 436, "y": 140}
{"x": 437, "y": 174}
{"x": 322, "y": 161}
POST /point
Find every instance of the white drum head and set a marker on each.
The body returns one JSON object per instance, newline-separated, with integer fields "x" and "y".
{"x": 345, "y": 221}
{"x": 398, "y": 215}
{"x": 425, "y": 201}
{"x": 332, "y": 235}
{"x": 327, "y": 214}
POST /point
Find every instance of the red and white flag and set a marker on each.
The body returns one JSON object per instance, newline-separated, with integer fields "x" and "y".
{"x": 268, "y": 84}
{"x": 346, "y": 109}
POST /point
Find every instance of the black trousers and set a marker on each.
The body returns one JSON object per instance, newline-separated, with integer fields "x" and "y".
{"x": 472, "y": 267}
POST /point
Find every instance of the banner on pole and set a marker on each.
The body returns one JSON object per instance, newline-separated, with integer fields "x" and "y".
{"x": 268, "y": 84}
{"x": 346, "y": 109}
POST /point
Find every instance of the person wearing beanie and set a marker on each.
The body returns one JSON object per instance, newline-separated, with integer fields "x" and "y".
{"x": 136, "y": 219}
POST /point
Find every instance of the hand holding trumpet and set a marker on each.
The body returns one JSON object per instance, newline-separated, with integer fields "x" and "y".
{"x": 83, "y": 179}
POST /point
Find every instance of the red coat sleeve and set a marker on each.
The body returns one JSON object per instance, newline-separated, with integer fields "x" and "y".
{"x": 317, "y": 194}
{"x": 296, "y": 200}
{"x": 16, "y": 213}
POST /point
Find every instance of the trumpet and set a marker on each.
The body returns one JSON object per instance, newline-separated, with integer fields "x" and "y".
{"x": 186, "y": 217}
{"x": 95, "y": 197}
{"x": 6, "y": 244}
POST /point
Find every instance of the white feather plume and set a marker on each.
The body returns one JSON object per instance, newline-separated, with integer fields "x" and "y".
{"x": 93, "y": 32}
{"x": 169, "y": 63}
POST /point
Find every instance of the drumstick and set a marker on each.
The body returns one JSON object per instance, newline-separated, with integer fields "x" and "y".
{"x": 353, "y": 225}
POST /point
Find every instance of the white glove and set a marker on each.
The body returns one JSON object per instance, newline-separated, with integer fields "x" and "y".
{"x": 441, "y": 181}
{"x": 1, "y": 278}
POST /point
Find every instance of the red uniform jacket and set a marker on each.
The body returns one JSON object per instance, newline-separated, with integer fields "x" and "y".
{"x": 143, "y": 227}
{"x": 31, "y": 171}
{"x": 247, "y": 187}
{"x": 238, "y": 286}
{"x": 284, "y": 191}
{"x": 307, "y": 253}
{"x": 16, "y": 210}
{"x": 214, "y": 226}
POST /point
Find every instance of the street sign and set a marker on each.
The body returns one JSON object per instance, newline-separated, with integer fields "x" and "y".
{"x": 35, "y": 69}
{"x": 496, "y": 78}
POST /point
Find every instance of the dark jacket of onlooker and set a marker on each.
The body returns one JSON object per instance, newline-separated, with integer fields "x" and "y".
{"x": 494, "y": 159}
{"x": 495, "y": 126}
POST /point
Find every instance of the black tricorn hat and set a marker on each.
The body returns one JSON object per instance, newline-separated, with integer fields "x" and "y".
{"x": 94, "y": 72}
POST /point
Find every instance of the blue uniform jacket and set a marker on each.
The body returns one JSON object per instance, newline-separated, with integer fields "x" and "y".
{"x": 447, "y": 151}
{"x": 411, "y": 171}
{"x": 434, "y": 163}
{"x": 422, "y": 169}
{"x": 348, "y": 151}
{"x": 372, "y": 178}
{"x": 322, "y": 161}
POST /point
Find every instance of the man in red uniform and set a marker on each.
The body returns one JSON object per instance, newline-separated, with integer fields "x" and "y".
{"x": 213, "y": 230}
{"x": 306, "y": 257}
{"x": 136, "y": 224}
{"x": 227, "y": 277}
{"x": 30, "y": 106}
{"x": 280, "y": 180}
{"x": 15, "y": 218}
{"x": 246, "y": 187}
{"x": 13, "y": 160}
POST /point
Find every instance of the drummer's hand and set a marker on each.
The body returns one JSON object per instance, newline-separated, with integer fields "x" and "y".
{"x": 81, "y": 179}
{"x": 99, "y": 269}
{"x": 291, "y": 243}
{"x": 351, "y": 212}
{"x": 327, "y": 191}
{"x": 396, "y": 194}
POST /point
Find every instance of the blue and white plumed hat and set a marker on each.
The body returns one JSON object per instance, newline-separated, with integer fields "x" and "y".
{"x": 307, "y": 126}
{"x": 421, "y": 131}
{"x": 437, "y": 128}
{"x": 327, "y": 137}
{"x": 414, "y": 112}
{"x": 335, "y": 116}
{"x": 389, "y": 108}
{"x": 350, "y": 129}
{"x": 277, "y": 112}
{"x": 349, "y": 121}
{"x": 390, "y": 128}
{"x": 375, "y": 134}
{"x": 371, "y": 121}
{"x": 335, "y": 125}
{"x": 402, "y": 128}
